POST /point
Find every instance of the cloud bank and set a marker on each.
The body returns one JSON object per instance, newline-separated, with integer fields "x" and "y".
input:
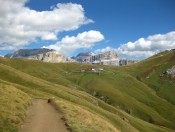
{"x": 20, "y": 25}
{"x": 145, "y": 47}
{"x": 84, "y": 40}
{"x": 98, "y": 51}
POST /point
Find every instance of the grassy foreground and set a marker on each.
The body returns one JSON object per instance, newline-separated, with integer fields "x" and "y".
{"x": 122, "y": 98}
{"x": 13, "y": 107}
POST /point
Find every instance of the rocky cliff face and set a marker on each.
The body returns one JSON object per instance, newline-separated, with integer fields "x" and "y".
{"x": 108, "y": 55}
{"x": 45, "y": 55}
{"x": 51, "y": 56}
{"x": 107, "y": 58}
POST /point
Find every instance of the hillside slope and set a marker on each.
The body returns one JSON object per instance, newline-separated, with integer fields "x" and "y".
{"x": 123, "y": 98}
{"x": 153, "y": 73}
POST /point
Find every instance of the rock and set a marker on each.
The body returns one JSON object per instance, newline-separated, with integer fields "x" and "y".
{"x": 102, "y": 97}
{"x": 171, "y": 72}
{"x": 161, "y": 75}
{"x": 95, "y": 102}
{"x": 94, "y": 93}
{"x": 52, "y": 56}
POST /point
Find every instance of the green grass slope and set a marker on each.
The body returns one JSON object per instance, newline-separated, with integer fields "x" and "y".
{"x": 121, "y": 97}
{"x": 13, "y": 107}
{"x": 151, "y": 70}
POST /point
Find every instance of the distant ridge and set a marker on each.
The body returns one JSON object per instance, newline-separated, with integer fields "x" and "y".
{"x": 46, "y": 55}
{"x": 50, "y": 55}
{"x": 22, "y": 53}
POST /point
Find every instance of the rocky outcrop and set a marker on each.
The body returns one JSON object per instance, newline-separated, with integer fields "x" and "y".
{"x": 168, "y": 73}
{"x": 171, "y": 72}
{"x": 107, "y": 55}
{"x": 102, "y": 97}
{"x": 52, "y": 56}
{"x": 45, "y": 55}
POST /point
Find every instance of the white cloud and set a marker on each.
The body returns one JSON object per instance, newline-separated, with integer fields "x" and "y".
{"x": 145, "y": 47}
{"x": 84, "y": 40}
{"x": 137, "y": 54}
{"x": 98, "y": 51}
{"x": 20, "y": 25}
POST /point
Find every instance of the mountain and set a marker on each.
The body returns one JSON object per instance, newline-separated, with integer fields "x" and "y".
{"x": 25, "y": 53}
{"x": 107, "y": 58}
{"x": 51, "y": 56}
{"x": 138, "y": 97}
{"x": 43, "y": 54}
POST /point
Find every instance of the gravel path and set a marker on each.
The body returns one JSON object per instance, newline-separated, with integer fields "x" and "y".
{"x": 42, "y": 117}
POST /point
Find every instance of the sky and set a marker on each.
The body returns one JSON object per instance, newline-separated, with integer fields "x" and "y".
{"x": 135, "y": 29}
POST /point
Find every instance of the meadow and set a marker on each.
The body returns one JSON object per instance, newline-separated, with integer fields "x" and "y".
{"x": 127, "y": 98}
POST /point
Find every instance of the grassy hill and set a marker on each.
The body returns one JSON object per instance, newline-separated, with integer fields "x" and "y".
{"x": 128, "y": 98}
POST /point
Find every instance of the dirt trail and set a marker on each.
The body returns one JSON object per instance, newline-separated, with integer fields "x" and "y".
{"x": 42, "y": 117}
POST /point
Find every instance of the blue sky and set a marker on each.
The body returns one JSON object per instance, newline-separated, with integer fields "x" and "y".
{"x": 135, "y": 29}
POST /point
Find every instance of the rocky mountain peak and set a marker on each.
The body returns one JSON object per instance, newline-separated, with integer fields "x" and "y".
{"x": 46, "y": 55}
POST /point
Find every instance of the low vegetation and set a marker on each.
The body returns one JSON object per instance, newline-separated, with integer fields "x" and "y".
{"x": 128, "y": 98}
{"x": 13, "y": 107}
